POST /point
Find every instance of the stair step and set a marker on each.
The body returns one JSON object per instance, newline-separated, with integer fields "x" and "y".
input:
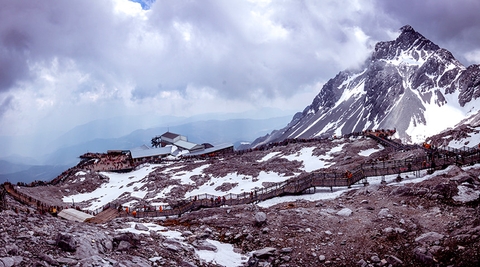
{"x": 105, "y": 216}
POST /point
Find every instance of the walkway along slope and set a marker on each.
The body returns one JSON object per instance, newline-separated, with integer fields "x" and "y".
{"x": 435, "y": 160}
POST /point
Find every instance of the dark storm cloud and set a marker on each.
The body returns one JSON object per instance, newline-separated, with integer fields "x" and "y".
{"x": 78, "y": 56}
{"x": 230, "y": 44}
{"x": 38, "y": 31}
{"x": 13, "y": 46}
{"x": 454, "y": 25}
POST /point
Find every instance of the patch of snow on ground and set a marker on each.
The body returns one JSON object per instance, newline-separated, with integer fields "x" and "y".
{"x": 117, "y": 184}
{"x": 163, "y": 193}
{"x": 268, "y": 156}
{"x": 170, "y": 169}
{"x": 139, "y": 194}
{"x": 310, "y": 162}
{"x": 80, "y": 173}
{"x": 466, "y": 194}
{"x": 224, "y": 256}
{"x": 185, "y": 176}
{"x": 471, "y": 141}
{"x": 151, "y": 227}
{"x": 245, "y": 183}
{"x": 369, "y": 151}
{"x": 129, "y": 203}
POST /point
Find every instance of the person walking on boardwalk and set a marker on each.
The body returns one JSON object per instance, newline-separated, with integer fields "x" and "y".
{"x": 349, "y": 176}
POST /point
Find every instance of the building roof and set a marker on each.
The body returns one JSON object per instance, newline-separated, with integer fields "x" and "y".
{"x": 210, "y": 150}
{"x": 187, "y": 145}
{"x": 170, "y": 135}
{"x": 152, "y": 152}
{"x": 74, "y": 215}
{"x": 142, "y": 147}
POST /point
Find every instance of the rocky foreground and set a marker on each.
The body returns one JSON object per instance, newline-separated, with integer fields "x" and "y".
{"x": 434, "y": 222}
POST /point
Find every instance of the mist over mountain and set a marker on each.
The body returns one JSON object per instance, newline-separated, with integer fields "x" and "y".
{"x": 410, "y": 84}
{"x": 85, "y": 138}
{"x": 34, "y": 173}
{"x": 212, "y": 131}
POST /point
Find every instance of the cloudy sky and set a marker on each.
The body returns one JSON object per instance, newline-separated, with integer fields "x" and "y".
{"x": 64, "y": 63}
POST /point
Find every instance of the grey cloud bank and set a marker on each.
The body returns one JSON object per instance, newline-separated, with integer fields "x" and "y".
{"x": 64, "y": 63}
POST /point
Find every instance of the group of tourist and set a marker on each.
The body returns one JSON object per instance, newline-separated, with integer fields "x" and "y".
{"x": 108, "y": 162}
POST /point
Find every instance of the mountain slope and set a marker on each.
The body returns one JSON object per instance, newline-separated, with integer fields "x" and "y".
{"x": 410, "y": 84}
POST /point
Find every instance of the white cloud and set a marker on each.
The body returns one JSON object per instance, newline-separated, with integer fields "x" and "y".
{"x": 129, "y": 8}
{"x": 473, "y": 56}
{"x": 185, "y": 58}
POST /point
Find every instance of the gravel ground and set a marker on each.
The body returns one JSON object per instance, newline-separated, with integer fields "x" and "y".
{"x": 433, "y": 222}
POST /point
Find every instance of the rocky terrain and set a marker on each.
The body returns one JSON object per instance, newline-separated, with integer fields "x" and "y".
{"x": 172, "y": 181}
{"x": 418, "y": 220}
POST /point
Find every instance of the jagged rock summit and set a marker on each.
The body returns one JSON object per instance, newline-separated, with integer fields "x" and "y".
{"x": 410, "y": 84}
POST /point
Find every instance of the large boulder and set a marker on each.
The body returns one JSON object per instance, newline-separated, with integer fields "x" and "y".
{"x": 264, "y": 252}
{"x": 131, "y": 238}
{"x": 124, "y": 246}
{"x": 11, "y": 261}
{"x": 204, "y": 245}
{"x": 260, "y": 218}
{"x": 345, "y": 212}
{"x": 429, "y": 237}
{"x": 423, "y": 256}
{"x": 66, "y": 242}
{"x": 141, "y": 227}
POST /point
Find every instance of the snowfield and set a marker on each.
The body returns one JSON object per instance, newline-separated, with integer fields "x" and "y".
{"x": 118, "y": 184}
{"x": 224, "y": 255}
{"x": 472, "y": 140}
{"x": 311, "y": 162}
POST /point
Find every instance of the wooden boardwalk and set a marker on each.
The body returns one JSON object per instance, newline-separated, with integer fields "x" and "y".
{"x": 435, "y": 160}
{"x": 107, "y": 215}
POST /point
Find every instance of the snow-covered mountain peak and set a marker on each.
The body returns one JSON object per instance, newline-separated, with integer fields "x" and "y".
{"x": 409, "y": 45}
{"x": 409, "y": 83}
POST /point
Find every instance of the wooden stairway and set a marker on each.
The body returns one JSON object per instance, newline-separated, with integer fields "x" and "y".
{"x": 104, "y": 216}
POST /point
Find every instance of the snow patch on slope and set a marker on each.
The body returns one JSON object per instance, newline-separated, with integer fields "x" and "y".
{"x": 118, "y": 184}
{"x": 368, "y": 152}
{"x": 465, "y": 194}
{"x": 472, "y": 140}
{"x": 223, "y": 256}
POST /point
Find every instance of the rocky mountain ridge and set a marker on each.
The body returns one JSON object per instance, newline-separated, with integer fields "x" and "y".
{"x": 410, "y": 84}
